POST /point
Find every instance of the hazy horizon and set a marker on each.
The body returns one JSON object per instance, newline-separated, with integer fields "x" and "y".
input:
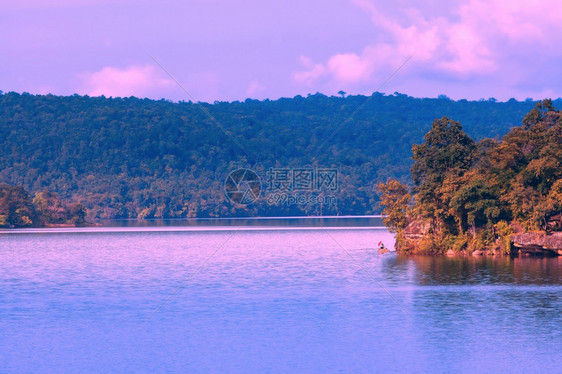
{"x": 180, "y": 100}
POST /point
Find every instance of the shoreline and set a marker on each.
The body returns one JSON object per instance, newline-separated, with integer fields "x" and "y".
{"x": 200, "y": 228}
{"x": 521, "y": 244}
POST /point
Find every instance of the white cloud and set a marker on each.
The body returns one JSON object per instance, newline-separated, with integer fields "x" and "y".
{"x": 130, "y": 81}
{"x": 255, "y": 87}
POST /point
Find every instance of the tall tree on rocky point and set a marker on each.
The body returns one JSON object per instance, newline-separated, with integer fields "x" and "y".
{"x": 446, "y": 152}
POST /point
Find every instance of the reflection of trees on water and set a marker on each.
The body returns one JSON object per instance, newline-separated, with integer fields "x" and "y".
{"x": 477, "y": 304}
{"x": 428, "y": 270}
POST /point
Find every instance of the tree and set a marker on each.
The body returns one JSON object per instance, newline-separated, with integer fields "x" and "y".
{"x": 447, "y": 149}
{"x": 446, "y": 152}
{"x": 528, "y": 166}
{"x": 396, "y": 201}
{"x": 49, "y": 207}
{"x": 16, "y": 208}
{"x": 76, "y": 214}
{"x": 475, "y": 205}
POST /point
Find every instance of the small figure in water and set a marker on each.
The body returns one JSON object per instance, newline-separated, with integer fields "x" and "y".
{"x": 382, "y": 248}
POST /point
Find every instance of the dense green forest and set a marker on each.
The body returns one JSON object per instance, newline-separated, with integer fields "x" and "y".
{"x": 470, "y": 195}
{"x": 19, "y": 209}
{"x": 140, "y": 158}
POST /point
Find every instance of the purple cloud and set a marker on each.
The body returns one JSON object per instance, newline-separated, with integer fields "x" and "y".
{"x": 476, "y": 39}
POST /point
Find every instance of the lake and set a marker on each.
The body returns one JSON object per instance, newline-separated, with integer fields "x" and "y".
{"x": 265, "y": 299}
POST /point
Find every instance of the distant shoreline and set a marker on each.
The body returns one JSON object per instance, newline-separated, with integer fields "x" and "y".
{"x": 216, "y": 224}
{"x": 116, "y": 229}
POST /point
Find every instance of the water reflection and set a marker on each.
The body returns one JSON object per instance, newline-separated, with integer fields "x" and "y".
{"x": 269, "y": 301}
{"x": 310, "y": 221}
{"x": 433, "y": 270}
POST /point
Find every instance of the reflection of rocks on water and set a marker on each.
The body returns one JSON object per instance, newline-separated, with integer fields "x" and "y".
{"x": 439, "y": 270}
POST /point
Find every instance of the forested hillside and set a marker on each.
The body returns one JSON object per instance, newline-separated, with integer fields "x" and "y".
{"x": 129, "y": 157}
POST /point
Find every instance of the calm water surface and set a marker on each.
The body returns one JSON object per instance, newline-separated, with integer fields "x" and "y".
{"x": 268, "y": 301}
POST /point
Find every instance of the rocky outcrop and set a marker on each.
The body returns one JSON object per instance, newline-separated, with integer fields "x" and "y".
{"x": 416, "y": 230}
{"x": 418, "y": 238}
{"x": 538, "y": 243}
{"x": 409, "y": 239}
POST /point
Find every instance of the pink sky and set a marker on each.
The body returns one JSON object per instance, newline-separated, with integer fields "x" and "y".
{"x": 232, "y": 50}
